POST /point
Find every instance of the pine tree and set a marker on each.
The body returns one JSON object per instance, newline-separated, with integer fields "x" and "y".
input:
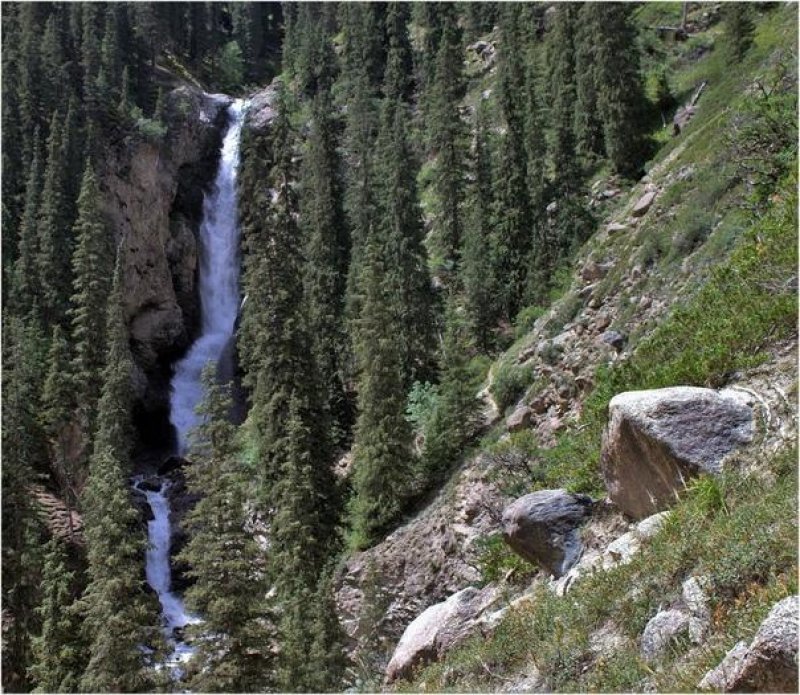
{"x": 588, "y": 125}
{"x": 299, "y": 557}
{"x": 326, "y": 259}
{"x": 382, "y": 450}
{"x": 58, "y": 409}
{"x": 566, "y": 173}
{"x": 118, "y": 616}
{"x": 477, "y": 279}
{"x": 512, "y": 237}
{"x": 447, "y": 135}
{"x": 620, "y": 92}
{"x": 739, "y": 28}
{"x": 25, "y": 274}
{"x": 52, "y": 260}
{"x": 58, "y": 656}
{"x": 229, "y": 591}
{"x": 455, "y": 418}
{"x": 92, "y": 265}
{"x": 21, "y": 527}
{"x": 398, "y": 231}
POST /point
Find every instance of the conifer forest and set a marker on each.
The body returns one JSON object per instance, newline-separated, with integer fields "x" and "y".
{"x": 399, "y": 346}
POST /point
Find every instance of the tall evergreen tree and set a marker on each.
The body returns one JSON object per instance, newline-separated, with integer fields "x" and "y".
{"x": 57, "y": 413}
{"x": 21, "y": 527}
{"x": 52, "y": 260}
{"x": 24, "y": 276}
{"x": 229, "y": 591}
{"x": 118, "y": 616}
{"x": 58, "y": 657}
{"x": 477, "y": 279}
{"x": 620, "y": 91}
{"x": 298, "y": 559}
{"x": 448, "y": 137}
{"x": 92, "y": 265}
{"x": 327, "y": 255}
{"x": 588, "y": 125}
{"x": 739, "y": 28}
{"x": 512, "y": 238}
{"x": 561, "y": 53}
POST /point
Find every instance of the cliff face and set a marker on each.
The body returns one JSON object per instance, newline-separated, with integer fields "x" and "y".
{"x": 153, "y": 197}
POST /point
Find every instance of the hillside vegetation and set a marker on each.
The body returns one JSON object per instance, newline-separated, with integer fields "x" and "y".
{"x": 464, "y": 228}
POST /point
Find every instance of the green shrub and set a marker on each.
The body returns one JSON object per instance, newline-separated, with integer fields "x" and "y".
{"x": 497, "y": 562}
{"x": 510, "y": 382}
{"x": 150, "y": 129}
{"x": 523, "y": 323}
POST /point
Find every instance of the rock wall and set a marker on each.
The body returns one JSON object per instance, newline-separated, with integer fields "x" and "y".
{"x": 153, "y": 198}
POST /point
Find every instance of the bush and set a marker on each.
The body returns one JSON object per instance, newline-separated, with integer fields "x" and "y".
{"x": 525, "y": 319}
{"x": 510, "y": 382}
{"x": 151, "y": 130}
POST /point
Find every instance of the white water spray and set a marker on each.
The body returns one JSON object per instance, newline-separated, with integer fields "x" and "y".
{"x": 218, "y": 284}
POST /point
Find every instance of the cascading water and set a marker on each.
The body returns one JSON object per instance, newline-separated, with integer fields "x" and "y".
{"x": 218, "y": 283}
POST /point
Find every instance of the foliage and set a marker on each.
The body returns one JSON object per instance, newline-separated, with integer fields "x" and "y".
{"x": 422, "y": 400}
{"x": 509, "y": 383}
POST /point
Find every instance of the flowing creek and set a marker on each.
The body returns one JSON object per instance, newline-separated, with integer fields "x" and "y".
{"x": 218, "y": 285}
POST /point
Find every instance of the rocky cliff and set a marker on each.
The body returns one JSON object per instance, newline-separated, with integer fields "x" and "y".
{"x": 153, "y": 196}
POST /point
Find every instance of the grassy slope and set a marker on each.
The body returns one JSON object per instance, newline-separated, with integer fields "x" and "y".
{"x": 741, "y": 533}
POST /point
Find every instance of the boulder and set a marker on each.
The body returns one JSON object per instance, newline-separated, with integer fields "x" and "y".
{"x": 769, "y": 664}
{"x": 595, "y": 271}
{"x": 719, "y": 677}
{"x": 543, "y": 528}
{"x": 615, "y": 339}
{"x": 615, "y": 228}
{"x": 438, "y": 629}
{"x": 261, "y": 111}
{"x": 662, "y": 630}
{"x": 519, "y": 419}
{"x": 643, "y": 204}
{"x": 656, "y": 440}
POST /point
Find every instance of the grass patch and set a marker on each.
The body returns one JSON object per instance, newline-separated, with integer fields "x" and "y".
{"x": 741, "y": 537}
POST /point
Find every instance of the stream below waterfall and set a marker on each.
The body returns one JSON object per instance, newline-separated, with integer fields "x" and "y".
{"x": 218, "y": 288}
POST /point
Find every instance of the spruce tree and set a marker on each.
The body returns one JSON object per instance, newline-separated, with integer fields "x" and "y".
{"x": 23, "y": 288}
{"x": 118, "y": 616}
{"x": 739, "y": 28}
{"x": 327, "y": 251}
{"x": 620, "y": 92}
{"x": 588, "y": 125}
{"x": 57, "y": 650}
{"x": 448, "y": 138}
{"x": 477, "y": 279}
{"x": 52, "y": 260}
{"x": 57, "y": 413}
{"x": 21, "y": 527}
{"x": 561, "y": 53}
{"x": 298, "y": 558}
{"x": 512, "y": 234}
{"x": 382, "y": 452}
{"x": 92, "y": 266}
{"x": 229, "y": 590}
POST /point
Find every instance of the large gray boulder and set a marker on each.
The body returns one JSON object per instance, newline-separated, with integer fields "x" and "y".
{"x": 543, "y": 528}
{"x": 769, "y": 664}
{"x": 438, "y": 629}
{"x": 657, "y": 440}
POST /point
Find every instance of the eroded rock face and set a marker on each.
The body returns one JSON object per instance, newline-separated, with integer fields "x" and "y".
{"x": 438, "y": 629}
{"x": 381, "y": 590}
{"x": 769, "y": 664}
{"x": 657, "y": 440}
{"x": 542, "y": 527}
{"x": 152, "y": 197}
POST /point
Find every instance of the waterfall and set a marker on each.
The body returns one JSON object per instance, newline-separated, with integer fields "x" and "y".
{"x": 218, "y": 282}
